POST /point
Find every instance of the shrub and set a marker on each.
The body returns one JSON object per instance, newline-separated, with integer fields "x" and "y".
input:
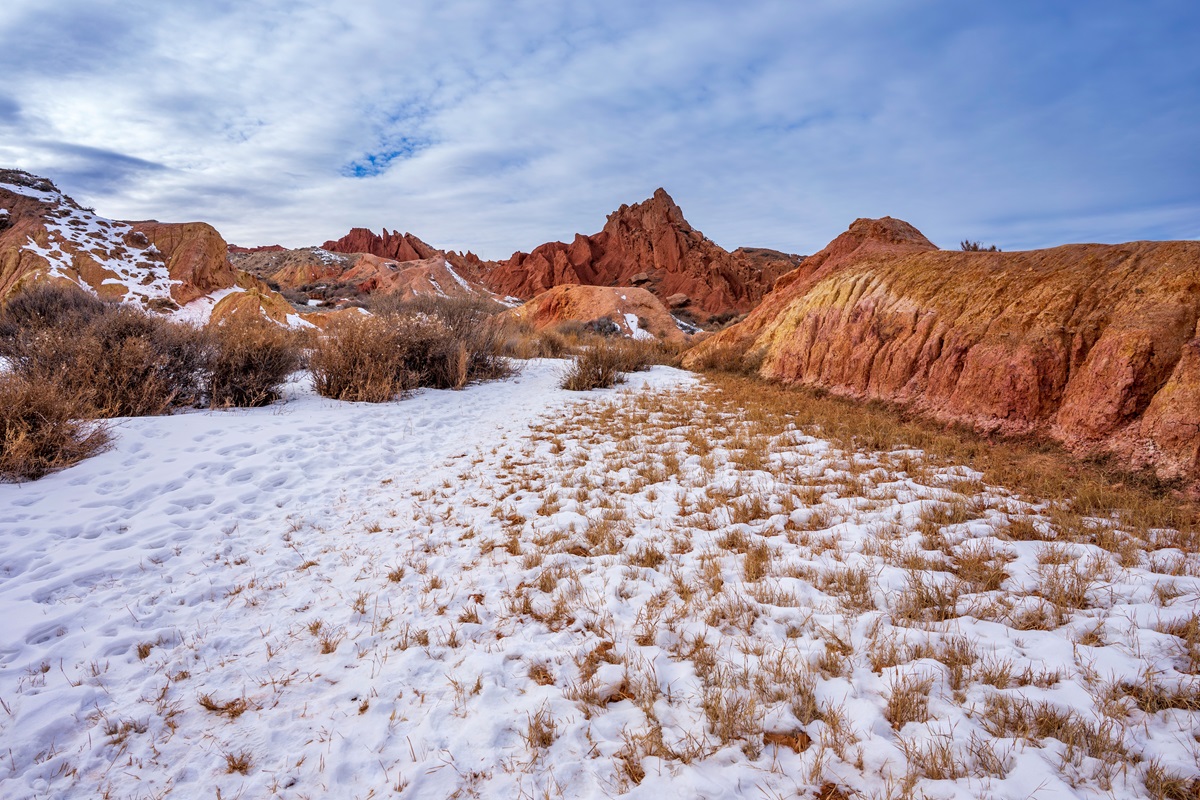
{"x": 598, "y": 367}
{"x": 42, "y": 307}
{"x": 360, "y": 358}
{"x": 41, "y": 430}
{"x": 975, "y": 247}
{"x": 118, "y": 361}
{"x": 518, "y": 339}
{"x": 455, "y": 340}
{"x": 132, "y": 364}
{"x": 250, "y": 359}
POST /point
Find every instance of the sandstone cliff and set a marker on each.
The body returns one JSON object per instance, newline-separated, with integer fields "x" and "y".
{"x": 1095, "y": 345}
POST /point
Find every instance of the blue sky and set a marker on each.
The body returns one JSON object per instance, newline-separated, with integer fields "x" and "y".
{"x": 498, "y": 126}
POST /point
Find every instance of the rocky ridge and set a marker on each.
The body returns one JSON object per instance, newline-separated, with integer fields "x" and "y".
{"x": 180, "y": 269}
{"x": 1094, "y": 345}
{"x": 652, "y": 246}
{"x": 648, "y": 245}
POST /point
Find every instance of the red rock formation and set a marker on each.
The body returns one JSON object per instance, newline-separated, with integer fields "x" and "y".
{"x": 636, "y": 312}
{"x": 1095, "y": 345}
{"x": 651, "y": 237}
{"x": 197, "y": 257}
{"x": 395, "y": 245}
{"x": 47, "y": 236}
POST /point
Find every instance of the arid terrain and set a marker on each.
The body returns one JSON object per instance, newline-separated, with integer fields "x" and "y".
{"x": 630, "y": 516}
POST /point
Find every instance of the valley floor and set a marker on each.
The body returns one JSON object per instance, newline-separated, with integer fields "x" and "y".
{"x": 517, "y": 591}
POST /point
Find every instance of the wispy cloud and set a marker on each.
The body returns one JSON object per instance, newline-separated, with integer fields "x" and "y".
{"x": 497, "y": 127}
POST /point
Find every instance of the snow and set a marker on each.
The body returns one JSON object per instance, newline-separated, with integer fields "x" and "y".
{"x": 631, "y": 320}
{"x": 686, "y": 327}
{"x": 326, "y": 256}
{"x": 199, "y": 311}
{"x": 458, "y": 277}
{"x": 29, "y": 191}
{"x": 365, "y": 597}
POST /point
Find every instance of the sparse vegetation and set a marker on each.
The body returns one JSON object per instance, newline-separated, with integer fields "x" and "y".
{"x": 975, "y": 247}
{"x": 251, "y": 359}
{"x": 43, "y": 429}
{"x": 378, "y": 358}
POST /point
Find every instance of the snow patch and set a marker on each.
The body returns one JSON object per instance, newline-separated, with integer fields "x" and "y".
{"x": 199, "y": 311}
{"x": 635, "y": 331}
{"x": 74, "y": 230}
{"x": 458, "y": 278}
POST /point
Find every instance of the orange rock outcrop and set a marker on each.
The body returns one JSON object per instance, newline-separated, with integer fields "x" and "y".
{"x": 635, "y": 312}
{"x": 1094, "y": 345}
{"x": 365, "y": 272}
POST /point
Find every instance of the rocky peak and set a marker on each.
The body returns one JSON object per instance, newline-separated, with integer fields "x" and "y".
{"x": 395, "y": 245}
{"x": 658, "y": 212}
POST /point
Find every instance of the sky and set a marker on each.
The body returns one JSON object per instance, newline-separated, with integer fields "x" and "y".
{"x": 496, "y": 126}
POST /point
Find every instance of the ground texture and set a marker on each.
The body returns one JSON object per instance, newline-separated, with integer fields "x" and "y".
{"x": 515, "y": 591}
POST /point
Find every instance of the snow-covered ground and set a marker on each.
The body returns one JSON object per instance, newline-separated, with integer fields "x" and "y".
{"x": 516, "y": 591}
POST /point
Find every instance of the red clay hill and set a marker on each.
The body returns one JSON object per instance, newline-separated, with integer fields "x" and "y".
{"x": 1097, "y": 346}
{"x": 181, "y": 269}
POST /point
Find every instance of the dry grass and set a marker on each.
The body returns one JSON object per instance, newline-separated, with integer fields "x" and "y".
{"x": 41, "y": 429}
{"x": 1040, "y": 469}
{"x": 908, "y": 701}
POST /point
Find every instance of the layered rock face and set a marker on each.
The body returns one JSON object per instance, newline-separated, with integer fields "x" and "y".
{"x": 652, "y": 246}
{"x": 176, "y": 268}
{"x": 1094, "y": 345}
{"x": 635, "y": 312}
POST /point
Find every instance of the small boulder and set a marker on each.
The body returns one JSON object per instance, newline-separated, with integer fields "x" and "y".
{"x": 678, "y": 300}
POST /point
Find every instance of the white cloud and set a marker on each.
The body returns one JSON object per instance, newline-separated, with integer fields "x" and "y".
{"x": 497, "y": 127}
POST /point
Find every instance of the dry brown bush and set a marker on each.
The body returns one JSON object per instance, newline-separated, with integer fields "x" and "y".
{"x": 361, "y": 358}
{"x": 41, "y": 429}
{"x": 466, "y": 346}
{"x": 601, "y": 366}
{"x": 116, "y": 360}
{"x": 250, "y": 360}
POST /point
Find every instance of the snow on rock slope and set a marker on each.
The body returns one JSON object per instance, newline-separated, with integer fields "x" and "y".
{"x": 514, "y": 591}
{"x": 181, "y": 269}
